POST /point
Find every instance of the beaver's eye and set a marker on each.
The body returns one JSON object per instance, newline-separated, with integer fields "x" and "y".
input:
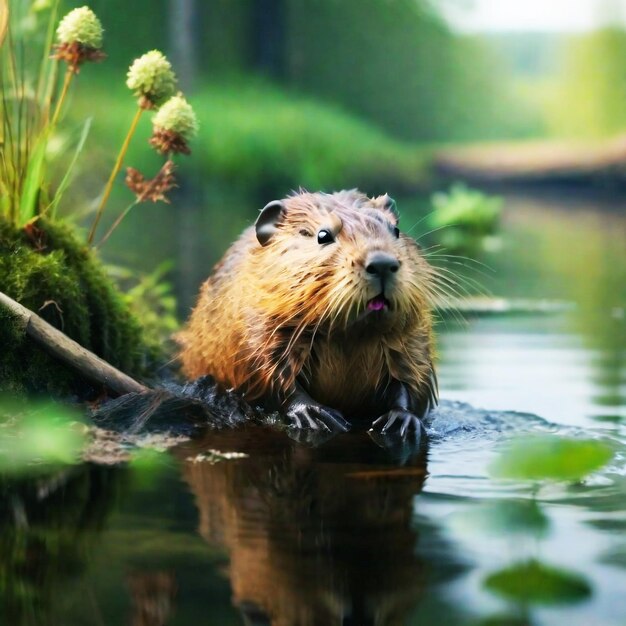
{"x": 306, "y": 233}
{"x": 325, "y": 236}
{"x": 396, "y": 232}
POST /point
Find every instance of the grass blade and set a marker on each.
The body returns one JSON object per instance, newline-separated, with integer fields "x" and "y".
{"x": 4, "y": 20}
{"x": 67, "y": 179}
{"x": 33, "y": 181}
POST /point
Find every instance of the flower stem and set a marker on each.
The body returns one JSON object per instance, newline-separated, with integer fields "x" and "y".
{"x": 117, "y": 222}
{"x": 114, "y": 173}
{"x": 66, "y": 85}
{"x": 41, "y": 83}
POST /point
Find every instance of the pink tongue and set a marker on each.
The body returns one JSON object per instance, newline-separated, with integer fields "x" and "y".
{"x": 376, "y": 304}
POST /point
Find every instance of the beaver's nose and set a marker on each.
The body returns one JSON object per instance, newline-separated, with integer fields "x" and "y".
{"x": 381, "y": 265}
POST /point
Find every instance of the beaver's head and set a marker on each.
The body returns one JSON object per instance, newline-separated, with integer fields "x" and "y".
{"x": 339, "y": 261}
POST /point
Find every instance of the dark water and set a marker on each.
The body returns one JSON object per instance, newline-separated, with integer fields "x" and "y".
{"x": 349, "y": 533}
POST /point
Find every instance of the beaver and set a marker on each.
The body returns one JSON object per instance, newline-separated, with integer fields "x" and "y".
{"x": 322, "y": 311}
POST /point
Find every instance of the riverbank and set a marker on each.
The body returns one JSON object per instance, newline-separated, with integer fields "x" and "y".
{"x": 537, "y": 162}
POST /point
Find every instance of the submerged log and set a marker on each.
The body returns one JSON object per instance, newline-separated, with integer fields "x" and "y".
{"x": 70, "y": 353}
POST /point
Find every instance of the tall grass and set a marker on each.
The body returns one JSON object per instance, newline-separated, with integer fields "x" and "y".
{"x": 255, "y": 134}
{"x": 28, "y": 78}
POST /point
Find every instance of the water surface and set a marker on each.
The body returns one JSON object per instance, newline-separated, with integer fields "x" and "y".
{"x": 350, "y": 533}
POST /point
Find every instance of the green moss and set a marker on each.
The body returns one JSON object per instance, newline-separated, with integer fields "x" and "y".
{"x": 52, "y": 273}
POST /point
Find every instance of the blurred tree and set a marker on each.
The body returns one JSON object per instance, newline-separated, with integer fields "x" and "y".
{"x": 590, "y": 98}
{"x": 397, "y": 63}
{"x": 394, "y": 62}
{"x": 388, "y": 60}
{"x": 269, "y": 21}
{"x": 183, "y": 18}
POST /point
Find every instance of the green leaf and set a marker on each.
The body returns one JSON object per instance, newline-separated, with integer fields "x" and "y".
{"x": 535, "y": 583}
{"x": 549, "y": 457}
{"x": 68, "y": 174}
{"x": 33, "y": 181}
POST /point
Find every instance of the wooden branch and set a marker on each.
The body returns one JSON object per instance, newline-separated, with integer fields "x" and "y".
{"x": 72, "y": 354}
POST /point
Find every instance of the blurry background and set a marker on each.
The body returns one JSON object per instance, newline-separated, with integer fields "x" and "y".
{"x": 525, "y": 100}
{"x": 328, "y": 94}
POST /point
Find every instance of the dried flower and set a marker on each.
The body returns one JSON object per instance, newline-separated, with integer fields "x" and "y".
{"x": 152, "y": 79}
{"x": 36, "y": 235}
{"x": 80, "y": 38}
{"x": 174, "y": 125}
{"x": 75, "y": 54}
{"x": 154, "y": 189}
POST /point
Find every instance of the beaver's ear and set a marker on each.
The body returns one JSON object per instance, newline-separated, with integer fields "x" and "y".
{"x": 388, "y": 204}
{"x": 266, "y": 223}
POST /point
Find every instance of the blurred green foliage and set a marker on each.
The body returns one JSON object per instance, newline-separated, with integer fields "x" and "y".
{"x": 151, "y": 298}
{"x": 550, "y": 457}
{"x": 395, "y": 63}
{"x": 465, "y": 219}
{"x": 36, "y": 438}
{"x": 398, "y": 64}
{"x": 589, "y": 92}
{"x": 256, "y": 135}
{"x": 149, "y": 466}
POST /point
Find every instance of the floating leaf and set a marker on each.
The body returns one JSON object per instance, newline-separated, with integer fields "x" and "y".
{"x": 535, "y": 583}
{"x": 550, "y": 457}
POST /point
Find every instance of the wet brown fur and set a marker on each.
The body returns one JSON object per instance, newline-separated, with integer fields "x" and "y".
{"x": 294, "y": 310}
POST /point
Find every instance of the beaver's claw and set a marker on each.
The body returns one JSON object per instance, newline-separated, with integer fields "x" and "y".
{"x": 398, "y": 421}
{"x": 316, "y": 417}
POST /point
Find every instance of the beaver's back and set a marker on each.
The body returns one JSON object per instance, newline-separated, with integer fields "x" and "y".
{"x": 213, "y": 333}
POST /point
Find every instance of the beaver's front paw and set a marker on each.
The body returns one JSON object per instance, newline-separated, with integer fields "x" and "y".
{"x": 305, "y": 415}
{"x": 398, "y": 421}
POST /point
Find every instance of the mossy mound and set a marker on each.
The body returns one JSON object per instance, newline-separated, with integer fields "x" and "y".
{"x": 47, "y": 269}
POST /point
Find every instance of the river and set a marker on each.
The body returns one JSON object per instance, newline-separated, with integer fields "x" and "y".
{"x": 346, "y": 534}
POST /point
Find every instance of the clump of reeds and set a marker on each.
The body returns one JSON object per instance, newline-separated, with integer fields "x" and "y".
{"x": 30, "y": 116}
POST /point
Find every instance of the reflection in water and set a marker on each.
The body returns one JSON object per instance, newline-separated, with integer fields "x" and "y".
{"x": 48, "y": 528}
{"x": 153, "y": 596}
{"x": 567, "y": 369}
{"x": 339, "y": 534}
{"x": 316, "y": 536}
{"x": 579, "y": 254}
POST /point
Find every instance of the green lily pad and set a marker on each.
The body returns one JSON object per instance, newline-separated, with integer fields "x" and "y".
{"x": 535, "y": 583}
{"x": 549, "y": 457}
